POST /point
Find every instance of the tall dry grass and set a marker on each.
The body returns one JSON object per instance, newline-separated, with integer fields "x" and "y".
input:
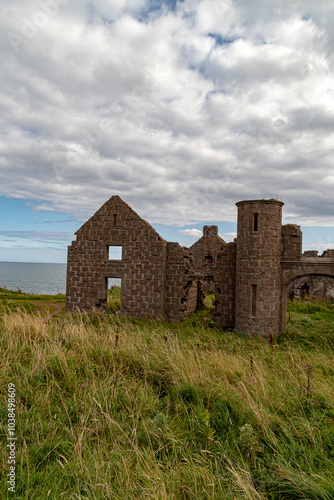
{"x": 113, "y": 408}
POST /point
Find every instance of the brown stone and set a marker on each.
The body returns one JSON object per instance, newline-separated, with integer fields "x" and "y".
{"x": 162, "y": 280}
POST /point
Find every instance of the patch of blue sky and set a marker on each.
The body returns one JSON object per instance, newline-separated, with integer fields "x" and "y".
{"x": 19, "y": 214}
{"x": 27, "y": 235}
{"x": 154, "y": 6}
{"x": 323, "y": 237}
{"x": 221, "y": 40}
{"x": 158, "y": 4}
{"x": 151, "y": 7}
{"x": 201, "y": 67}
{"x": 26, "y": 253}
{"x": 173, "y": 233}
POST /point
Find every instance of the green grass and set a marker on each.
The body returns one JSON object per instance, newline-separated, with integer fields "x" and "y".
{"x": 113, "y": 408}
{"x": 114, "y": 299}
{"x": 16, "y": 300}
{"x": 209, "y": 300}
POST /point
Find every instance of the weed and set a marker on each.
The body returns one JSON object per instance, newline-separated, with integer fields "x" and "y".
{"x": 109, "y": 407}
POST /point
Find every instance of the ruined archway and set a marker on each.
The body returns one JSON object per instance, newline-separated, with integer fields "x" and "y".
{"x": 288, "y": 278}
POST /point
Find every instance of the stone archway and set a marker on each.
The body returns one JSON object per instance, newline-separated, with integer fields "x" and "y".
{"x": 289, "y": 277}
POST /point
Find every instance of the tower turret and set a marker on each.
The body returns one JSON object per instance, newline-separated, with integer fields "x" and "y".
{"x": 258, "y": 272}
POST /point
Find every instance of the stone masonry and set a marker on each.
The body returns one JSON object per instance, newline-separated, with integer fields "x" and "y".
{"x": 157, "y": 276}
{"x": 315, "y": 287}
{"x": 250, "y": 277}
{"x": 205, "y": 254}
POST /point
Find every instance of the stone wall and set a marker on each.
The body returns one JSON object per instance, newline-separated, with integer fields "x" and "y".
{"x": 316, "y": 287}
{"x": 142, "y": 267}
{"x": 258, "y": 272}
{"x": 225, "y": 287}
{"x": 150, "y": 268}
{"x": 291, "y": 242}
{"x": 181, "y": 284}
{"x": 205, "y": 252}
{"x": 310, "y": 253}
{"x": 251, "y": 277}
{"x": 328, "y": 253}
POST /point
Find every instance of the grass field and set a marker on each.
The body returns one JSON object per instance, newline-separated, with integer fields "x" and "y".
{"x": 112, "y": 408}
{"x": 17, "y": 300}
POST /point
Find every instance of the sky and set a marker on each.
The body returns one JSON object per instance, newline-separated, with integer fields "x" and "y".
{"x": 182, "y": 108}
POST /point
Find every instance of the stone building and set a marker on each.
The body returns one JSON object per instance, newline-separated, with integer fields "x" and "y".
{"x": 161, "y": 280}
{"x": 157, "y": 276}
{"x": 205, "y": 253}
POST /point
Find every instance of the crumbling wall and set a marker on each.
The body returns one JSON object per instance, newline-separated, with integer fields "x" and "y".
{"x": 326, "y": 254}
{"x": 205, "y": 251}
{"x": 161, "y": 281}
{"x": 310, "y": 253}
{"x": 316, "y": 287}
{"x": 329, "y": 253}
{"x": 181, "y": 284}
{"x": 292, "y": 238}
{"x": 225, "y": 287}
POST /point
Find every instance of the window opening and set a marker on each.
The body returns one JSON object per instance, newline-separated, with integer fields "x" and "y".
{"x": 253, "y": 299}
{"x": 209, "y": 259}
{"x": 255, "y": 222}
{"x": 114, "y": 252}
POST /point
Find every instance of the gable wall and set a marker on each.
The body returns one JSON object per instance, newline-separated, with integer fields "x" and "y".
{"x": 206, "y": 251}
{"x": 142, "y": 269}
{"x": 157, "y": 277}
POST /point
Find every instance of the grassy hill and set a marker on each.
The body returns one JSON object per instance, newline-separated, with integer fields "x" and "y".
{"x": 109, "y": 408}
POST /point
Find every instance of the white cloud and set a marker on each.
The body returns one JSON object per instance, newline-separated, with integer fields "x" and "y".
{"x": 321, "y": 247}
{"x": 193, "y": 233}
{"x": 41, "y": 236}
{"x": 228, "y": 237}
{"x": 182, "y": 113}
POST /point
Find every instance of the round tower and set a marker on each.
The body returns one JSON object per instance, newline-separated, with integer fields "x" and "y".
{"x": 258, "y": 272}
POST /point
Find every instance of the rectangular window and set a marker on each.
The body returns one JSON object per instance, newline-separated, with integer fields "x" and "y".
{"x": 114, "y": 252}
{"x": 114, "y": 220}
{"x": 253, "y": 299}
{"x": 255, "y": 222}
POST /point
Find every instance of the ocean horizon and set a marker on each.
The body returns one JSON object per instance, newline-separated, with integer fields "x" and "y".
{"x": 33, "y": 277}
{"x": 39, "y": 278}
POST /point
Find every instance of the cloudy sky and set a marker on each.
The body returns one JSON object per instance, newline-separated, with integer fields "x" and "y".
{"x": 180, "y": 107}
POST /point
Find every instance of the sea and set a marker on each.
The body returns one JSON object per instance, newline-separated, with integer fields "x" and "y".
{"x": 43, "y": 279}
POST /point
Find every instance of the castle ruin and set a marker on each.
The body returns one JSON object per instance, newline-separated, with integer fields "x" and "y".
{"x": 163, "y": 280}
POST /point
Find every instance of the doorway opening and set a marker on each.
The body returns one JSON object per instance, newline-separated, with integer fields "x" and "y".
{"x": 114, "y": 300}
{"x": 207, "y": 291}
{"x": 307, "y": 301}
